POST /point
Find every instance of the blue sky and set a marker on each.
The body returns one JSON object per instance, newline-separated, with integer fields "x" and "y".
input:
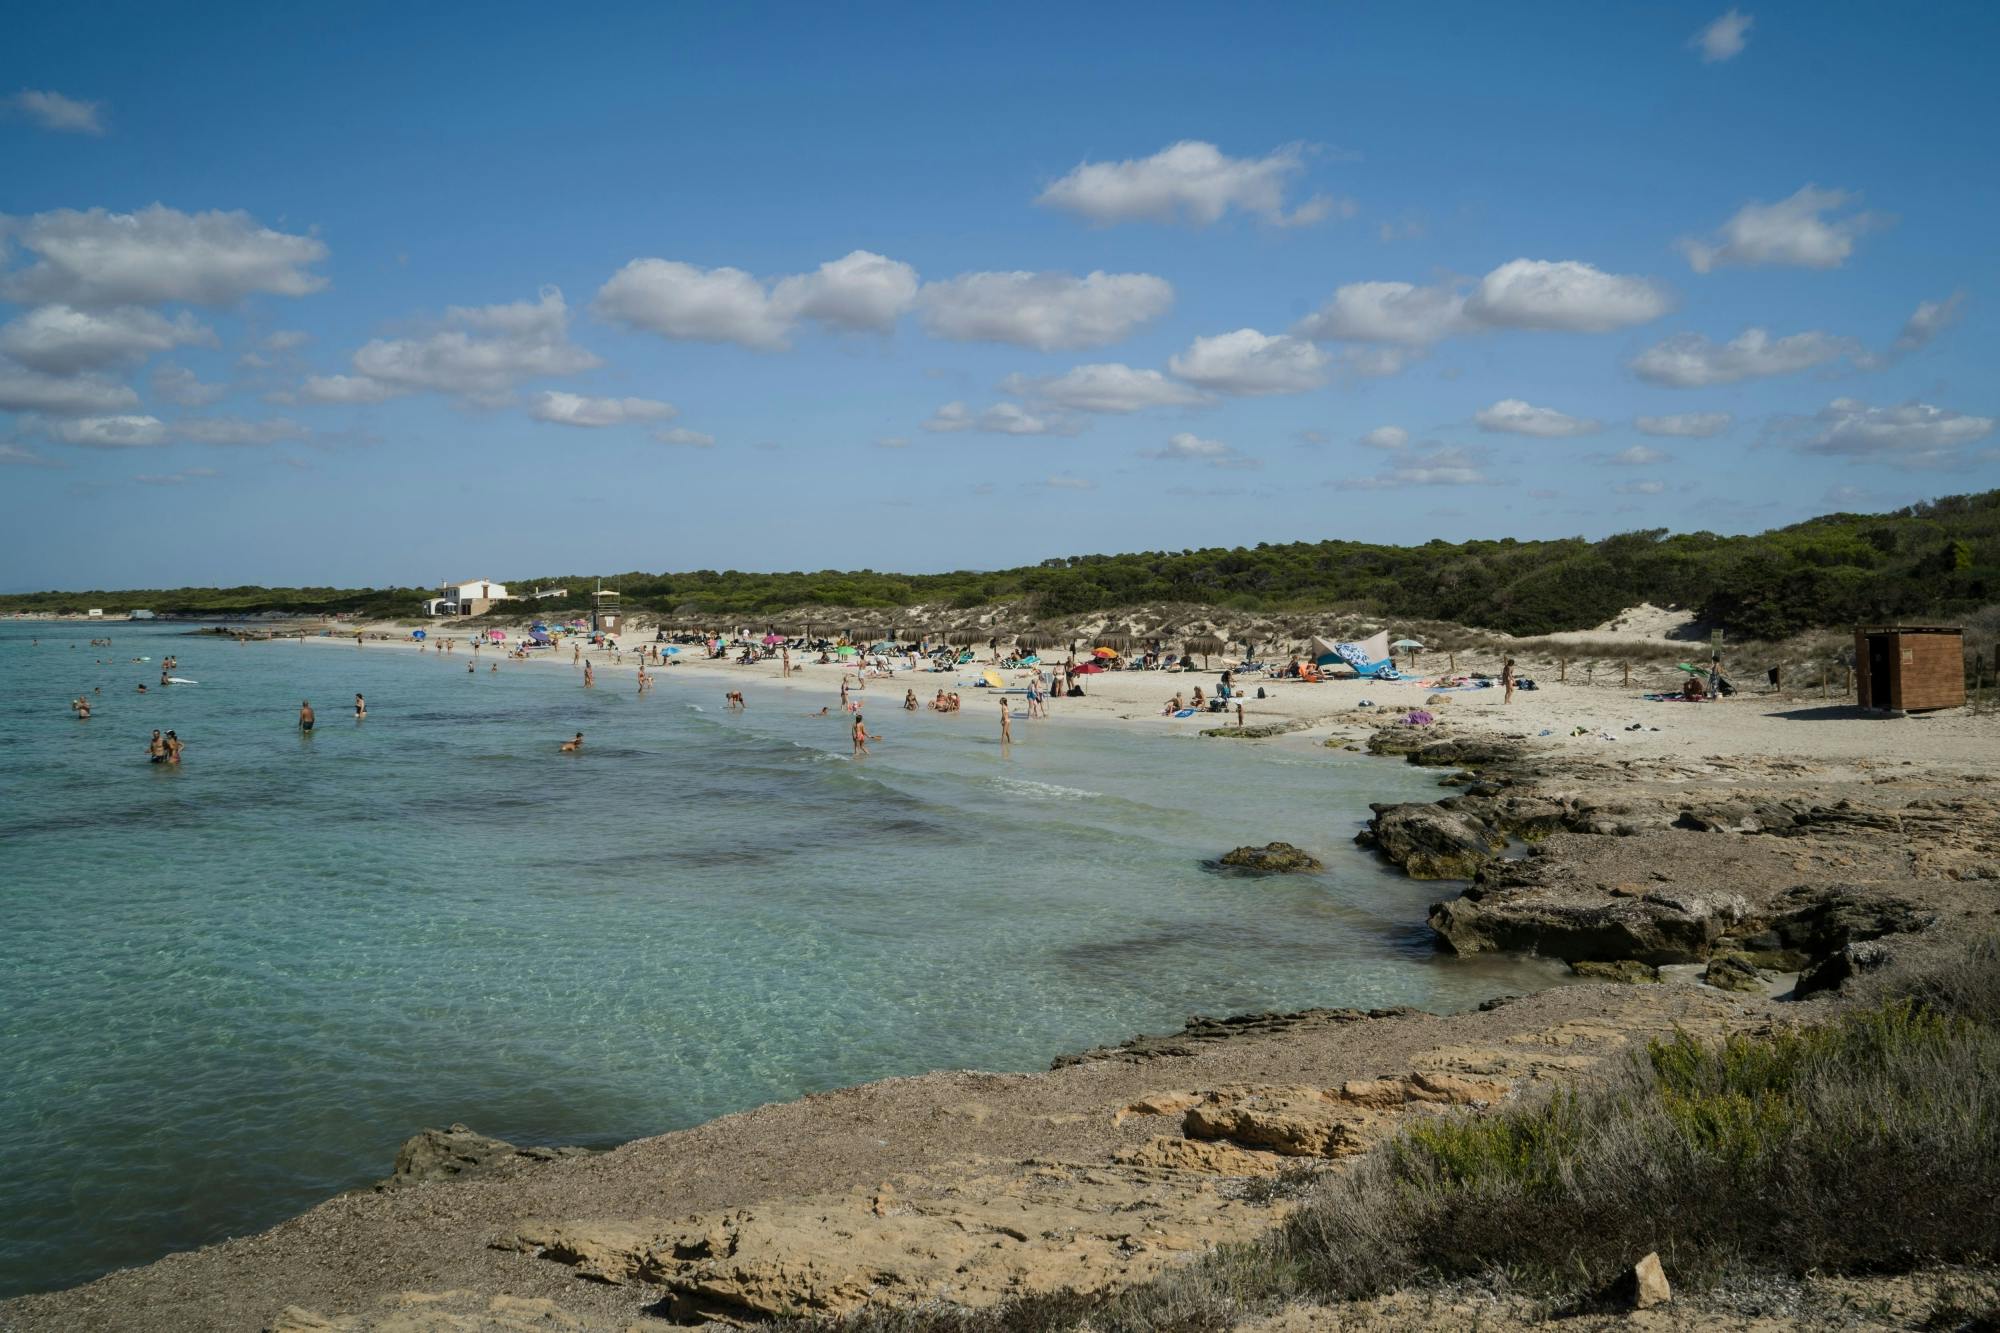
{"x": 395, "y": 294}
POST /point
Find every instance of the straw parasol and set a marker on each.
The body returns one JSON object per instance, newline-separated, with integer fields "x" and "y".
{"x": 1035, "y": 640}
{"x": 1201, "y": 646}
{"x": 1117, "y": 642}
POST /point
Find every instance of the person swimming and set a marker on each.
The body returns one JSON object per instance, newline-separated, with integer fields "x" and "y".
{"x": 572, "y": 745}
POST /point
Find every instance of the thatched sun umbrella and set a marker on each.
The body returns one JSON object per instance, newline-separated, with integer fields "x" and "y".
{"x": 1035, "y": 640}
{"x": 1117, "y": 643}
{"x": 1202, "y": 645}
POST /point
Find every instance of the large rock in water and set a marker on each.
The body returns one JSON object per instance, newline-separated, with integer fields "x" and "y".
{"x": 440, "y": 1154}
{"x": 1433, "y": 841}
{"x": 1650, "y": 932}
{"x": 1733, "y": 972}
{"x": 1273, "y": 858}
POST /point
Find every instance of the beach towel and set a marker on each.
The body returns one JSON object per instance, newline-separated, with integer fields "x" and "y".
{"x": 1185, "y": 712}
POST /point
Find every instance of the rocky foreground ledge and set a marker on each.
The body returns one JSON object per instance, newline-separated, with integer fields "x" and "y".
{"x": 1758, "y": 870}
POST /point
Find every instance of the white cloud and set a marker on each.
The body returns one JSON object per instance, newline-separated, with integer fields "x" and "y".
{"x": 1928, "y": 320}
{"x": 999, "y": 419}
{"x": 1187, "y": 446}
{"x": 1251, "y": 364}
{"x": 479, "y": 354}
{"x": 236, "y": 431}
{"x": 1637, "y": 455}
{"x": 1537, "y": 294}
{"x": 1790, "y": 232}
{"x": 1387, "y": 312}
{"x": 573, "y": 409}
{"x": 1430, "y": 466}
{"x": 861, "y": 291}
{"x": 113, "y": 432}
{"x": 347, "y": 389}
{"x": 686, "y": 302}
{"x": 1691, "y": 361}
{"x": 63, "y": 340}
{"x": 1189, "y": 180}
{"x": 1063, "y": 481}
{"x": 1695, "y": 425}
{"x": 157, "y": 254}
{"x": 24, "y": 390}
{"x": 183, "y": 387}
{"x": 64, "y": 115}
{"x": 1563, "y": 295}
{"x": 1914, "y": 435}
{"x": 1724, "y": 38}
{"x": 1104, "y": 388}
{"x": 1640, "y": 488}
{"x": 677, "y": 300}
{"x": 1512, "y": 416}
{"x": 1386, "y": 437}
{"x": 681, "y": 435}
{"x": 1046, "y": 311}
{"x": 13, "y": 455}
{"x": 281, "y": 341}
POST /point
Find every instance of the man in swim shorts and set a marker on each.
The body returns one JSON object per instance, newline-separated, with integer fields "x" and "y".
{"x": 305, "y": 716}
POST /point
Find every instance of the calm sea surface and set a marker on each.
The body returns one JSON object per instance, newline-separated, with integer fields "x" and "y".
{"x": 232, "y": 989}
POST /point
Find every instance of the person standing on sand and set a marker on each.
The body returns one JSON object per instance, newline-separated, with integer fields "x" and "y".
{"x": 786, "y": 652}
{"x": 305, "y": 716}
{"x": 360, "y": 706}
{"x": 1507, "y": 681}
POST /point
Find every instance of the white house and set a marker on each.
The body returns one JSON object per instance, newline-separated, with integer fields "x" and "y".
{"x": 473, "y": 597}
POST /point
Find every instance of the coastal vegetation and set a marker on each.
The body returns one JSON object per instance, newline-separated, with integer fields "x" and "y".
{"x": 1935, "y": 559}
{"x": 1866, "y": 1144}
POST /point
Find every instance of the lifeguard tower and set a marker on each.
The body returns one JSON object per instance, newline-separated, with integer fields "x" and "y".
{"x": 605, "y": 617}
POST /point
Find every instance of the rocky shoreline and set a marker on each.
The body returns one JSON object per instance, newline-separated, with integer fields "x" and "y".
{"x": 1740, "y": 879}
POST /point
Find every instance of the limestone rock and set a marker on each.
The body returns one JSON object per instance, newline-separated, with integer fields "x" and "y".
{"x": 1273, "y": 858}
{"x": 1733, "y": 972}
{"x": 1648, "y": 932}
{"x": 1433, "y": 841}
{"x": 1214, "y": 1158}
{"x": 1051, "y": 1227}
{"x": 1292, "y": 1122}
{"x": 440, "y": 1154}
{"x": 1628, "y": 970}
{"x": 1840, "y": 967}
{"x": 1648, "y": 1284}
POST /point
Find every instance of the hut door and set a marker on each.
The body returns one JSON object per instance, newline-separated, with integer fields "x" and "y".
{"x": 1878, "y": 671}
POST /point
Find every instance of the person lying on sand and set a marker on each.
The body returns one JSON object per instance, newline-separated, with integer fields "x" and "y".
{"x": 573, "y": 744}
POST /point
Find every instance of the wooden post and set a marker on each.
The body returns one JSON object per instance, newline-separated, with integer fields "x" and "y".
{"x": 1454, "y": 664}
{"x": 1628, "y": 675}
{"x": 1848, "y": 686}
{"x": 1822, "y": 683}
{"x": 1562, "y": 668}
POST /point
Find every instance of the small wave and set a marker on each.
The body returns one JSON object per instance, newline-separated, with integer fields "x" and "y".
{"x": 1040, "y": 791}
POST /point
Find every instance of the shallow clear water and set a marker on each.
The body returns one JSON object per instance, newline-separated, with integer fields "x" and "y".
{"x": 231, "y": 989}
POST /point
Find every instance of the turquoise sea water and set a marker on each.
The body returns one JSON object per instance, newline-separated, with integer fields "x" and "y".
{"x": 230, "y": 990}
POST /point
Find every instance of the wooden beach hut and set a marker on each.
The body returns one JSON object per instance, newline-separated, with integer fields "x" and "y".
{"x": 1909, "y": 668}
